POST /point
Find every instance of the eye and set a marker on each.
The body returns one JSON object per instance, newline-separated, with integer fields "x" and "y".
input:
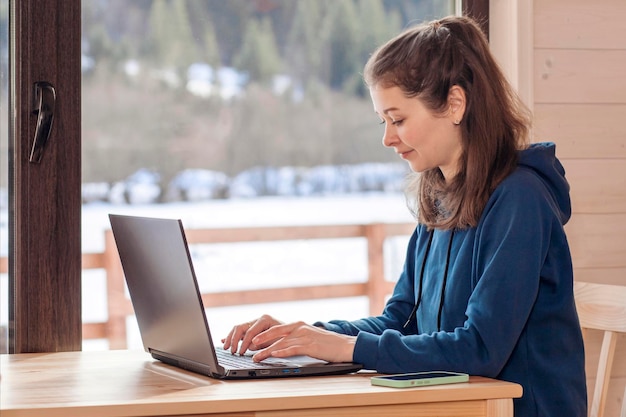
{"x": 397, "y": 122}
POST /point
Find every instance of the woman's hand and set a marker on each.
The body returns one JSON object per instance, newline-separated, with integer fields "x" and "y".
{"x": 284, "y": 340}
{"x": 245, "y": 332}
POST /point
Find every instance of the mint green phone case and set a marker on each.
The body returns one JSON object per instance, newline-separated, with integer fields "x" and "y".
{"x": 419, "y": 379}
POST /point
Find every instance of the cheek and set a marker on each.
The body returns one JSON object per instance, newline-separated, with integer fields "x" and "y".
{"x": 416, "y": 134}
{"x": 433, "y": 132}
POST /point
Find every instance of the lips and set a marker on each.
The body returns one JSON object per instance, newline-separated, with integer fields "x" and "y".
{"x": 405, "y": 154}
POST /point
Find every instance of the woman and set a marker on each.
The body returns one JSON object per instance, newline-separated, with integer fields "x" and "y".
{"x": 487, "y": 283}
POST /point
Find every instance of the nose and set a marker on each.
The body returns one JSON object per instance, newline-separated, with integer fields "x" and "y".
{"x": 389, "y": 136}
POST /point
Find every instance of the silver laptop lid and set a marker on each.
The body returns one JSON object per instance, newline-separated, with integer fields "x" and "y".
{"x": 164, "y": 290}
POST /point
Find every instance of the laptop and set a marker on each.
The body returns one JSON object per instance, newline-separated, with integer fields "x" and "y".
{"x": 170, "y": 312}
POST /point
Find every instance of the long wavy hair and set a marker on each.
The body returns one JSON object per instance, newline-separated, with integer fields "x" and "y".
{"x": 425, "y": 62}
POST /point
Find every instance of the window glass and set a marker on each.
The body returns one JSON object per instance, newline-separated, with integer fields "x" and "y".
{"x": 240, "y": 113}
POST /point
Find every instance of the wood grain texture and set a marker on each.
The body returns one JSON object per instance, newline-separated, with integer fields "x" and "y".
{"x": 130, "y": 383}
{"x": 579, "y": 76}
{"x": 597, "y": 185}
{"x": 579, "y": 24}
{"x": 583, "y": 131}
{"x": 45, "y": 270}
{"x": 613, "y": 276}
{"x": 597, "y": 240}
{"x": 601, "y": 307}
{"x": 580, "y": 104}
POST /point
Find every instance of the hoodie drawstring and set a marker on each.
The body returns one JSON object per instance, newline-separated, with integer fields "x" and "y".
{"x": 419, "y": 293}
{"x": 421, "y": 283}
{"x": 445, "y": 281}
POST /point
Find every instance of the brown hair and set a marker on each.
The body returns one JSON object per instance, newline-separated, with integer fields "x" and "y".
{"x": 425, "y": 62}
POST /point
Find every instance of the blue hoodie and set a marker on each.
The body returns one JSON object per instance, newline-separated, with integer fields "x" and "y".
{"x": 496, "y": 300}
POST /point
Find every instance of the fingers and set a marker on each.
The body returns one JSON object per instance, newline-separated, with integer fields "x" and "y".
{"x": 239, "y": 339}
{"x": 276, "y": 332}
{"x": 234, "y": 336}
{"x": 275, "y": 352}
{"x": 270, "y": 337}
{"x": 255, "y": 328}
{"x": 302, "y": 339}
{"x": 283, "y": 341}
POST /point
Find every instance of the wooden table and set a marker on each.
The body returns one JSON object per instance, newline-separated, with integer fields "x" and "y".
{"x": 130, "y": 383}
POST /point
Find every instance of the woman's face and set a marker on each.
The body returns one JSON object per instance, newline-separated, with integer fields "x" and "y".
{"x": 424, "y": 139}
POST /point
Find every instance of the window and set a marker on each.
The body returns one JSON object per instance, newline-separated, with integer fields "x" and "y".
{"x": 233, "y": 113}
{"x": 46, "y": 218}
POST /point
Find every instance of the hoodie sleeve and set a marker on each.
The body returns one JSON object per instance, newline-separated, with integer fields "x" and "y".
{"x": 511, "y": 249}
{"x": 397, "y": 309}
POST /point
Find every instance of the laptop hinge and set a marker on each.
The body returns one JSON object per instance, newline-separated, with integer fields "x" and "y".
{"x": 187, "y": 364}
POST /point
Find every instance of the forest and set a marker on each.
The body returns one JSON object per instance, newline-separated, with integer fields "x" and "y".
{"x": 228, "y": 85}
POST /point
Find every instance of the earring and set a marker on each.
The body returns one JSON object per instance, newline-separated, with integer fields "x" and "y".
{"x": 457, "y": 122}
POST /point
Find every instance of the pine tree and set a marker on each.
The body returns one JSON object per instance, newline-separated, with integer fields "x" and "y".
{"x": 211, "y": 48}
{"x": 159, "y": 22}
{"x": 305, "y": 42}
{"x": 172, "y": 44}
{"x": 182, "y": 48}
{"x": 376, "y": 26}
{"x": 342, "y": 25}
{"x": 259, "y": 55}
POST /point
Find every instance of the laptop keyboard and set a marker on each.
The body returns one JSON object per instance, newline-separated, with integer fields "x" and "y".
{"x": 228, "y": 360}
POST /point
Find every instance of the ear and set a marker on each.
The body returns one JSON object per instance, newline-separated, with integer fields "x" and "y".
{"x": 456, "y": 103}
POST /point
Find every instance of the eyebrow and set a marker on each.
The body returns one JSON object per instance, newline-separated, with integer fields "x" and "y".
{"x": 387, "y": 110}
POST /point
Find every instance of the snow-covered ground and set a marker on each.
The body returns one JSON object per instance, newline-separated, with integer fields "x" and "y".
{"x": 255, "y": 265}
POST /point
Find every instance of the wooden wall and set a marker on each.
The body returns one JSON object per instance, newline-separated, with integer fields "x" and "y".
{"x": 579, "y": 102}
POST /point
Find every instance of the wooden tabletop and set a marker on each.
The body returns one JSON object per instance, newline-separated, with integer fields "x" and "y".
{"x": 131, "y": 383}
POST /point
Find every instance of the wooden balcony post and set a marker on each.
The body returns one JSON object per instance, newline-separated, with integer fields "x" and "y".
{"x": 376, "y": 287}
{"x": 116, "y": 299}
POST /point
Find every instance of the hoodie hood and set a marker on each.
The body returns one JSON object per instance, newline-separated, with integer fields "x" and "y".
{"x": 541, "y": 159}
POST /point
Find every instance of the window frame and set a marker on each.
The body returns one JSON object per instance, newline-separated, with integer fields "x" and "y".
{"x": 44, "y": 198}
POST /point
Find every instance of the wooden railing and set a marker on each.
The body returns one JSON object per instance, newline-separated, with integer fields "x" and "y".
{"x": 375, "y": 288}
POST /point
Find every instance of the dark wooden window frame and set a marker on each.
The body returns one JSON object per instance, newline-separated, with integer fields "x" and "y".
{"x": 44, "y": 197}
{"x": 479, "y": 10}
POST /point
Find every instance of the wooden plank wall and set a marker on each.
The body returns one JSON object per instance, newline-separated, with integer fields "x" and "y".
{"x": 580, "y": 103}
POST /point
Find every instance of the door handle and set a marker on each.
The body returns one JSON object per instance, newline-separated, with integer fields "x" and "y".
{"x": 45, "y": 99}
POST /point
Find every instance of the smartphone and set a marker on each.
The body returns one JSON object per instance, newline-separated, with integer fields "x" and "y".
{"x": 419, "y": 379}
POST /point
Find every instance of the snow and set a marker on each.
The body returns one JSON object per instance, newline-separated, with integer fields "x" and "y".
{"x": 219, "y": 267}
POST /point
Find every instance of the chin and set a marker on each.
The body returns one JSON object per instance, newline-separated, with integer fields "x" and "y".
{"x": 417, "y": 168}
